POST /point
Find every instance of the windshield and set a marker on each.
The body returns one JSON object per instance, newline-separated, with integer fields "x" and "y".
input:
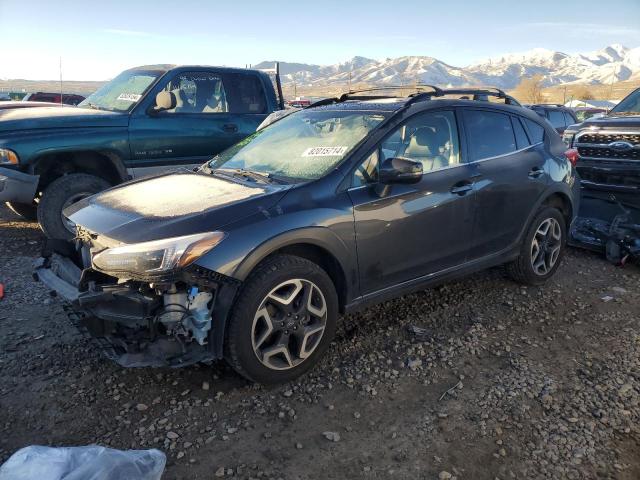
{"x": 303, "y": 146}
{"x": 629, "y": 105}
{"x": 123, "y": 92}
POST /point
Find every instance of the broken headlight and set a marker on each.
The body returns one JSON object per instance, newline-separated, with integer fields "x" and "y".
{"x": 157, "y": 256}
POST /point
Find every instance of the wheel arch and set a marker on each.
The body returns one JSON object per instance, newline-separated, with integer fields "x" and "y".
{"x": 314, "y": 244}
{"x": 562, "y": 202}
{"x": 104, "y": 164}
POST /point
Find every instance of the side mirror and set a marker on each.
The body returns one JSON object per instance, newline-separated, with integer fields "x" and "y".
{"x": 164, "y": 101}
{"x": 399, "y": 170}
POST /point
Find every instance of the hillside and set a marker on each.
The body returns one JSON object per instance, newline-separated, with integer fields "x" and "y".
{"x": 614, "y": 63}
{"x": 609, "y": 73}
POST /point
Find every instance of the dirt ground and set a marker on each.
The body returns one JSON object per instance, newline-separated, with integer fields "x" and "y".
{"x": 503, "y": 382}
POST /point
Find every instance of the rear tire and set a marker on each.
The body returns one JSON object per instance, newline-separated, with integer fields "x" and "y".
{"x": 282, "y": 321}
{"x": 542, "y": 249}
{"x": 62, "y": 193}
{"x": 28, "y": 211}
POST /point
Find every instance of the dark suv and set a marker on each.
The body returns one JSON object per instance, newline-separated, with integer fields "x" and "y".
{"x": 559, "y": 116}
{"x": 350, "y": 202}
{"x": 67, "y": 98}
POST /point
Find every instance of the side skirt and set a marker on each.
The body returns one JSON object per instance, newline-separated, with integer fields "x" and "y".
{"x": 433, "y": 279}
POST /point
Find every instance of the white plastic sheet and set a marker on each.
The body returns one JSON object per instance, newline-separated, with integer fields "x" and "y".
{"x": 83, "y": 463}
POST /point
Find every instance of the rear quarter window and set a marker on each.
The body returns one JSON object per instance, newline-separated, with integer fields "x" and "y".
{"x": 521, "y": 136}
{"x": 536, "y": 131}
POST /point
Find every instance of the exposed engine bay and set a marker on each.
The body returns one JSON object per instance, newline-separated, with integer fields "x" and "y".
{"x": 172, "y": 321}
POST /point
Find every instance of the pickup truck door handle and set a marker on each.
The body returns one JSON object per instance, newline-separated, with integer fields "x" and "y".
{"x": 230, "y": 127}
{"x": 536, "y": 172}
{"x": 461, "y": 188}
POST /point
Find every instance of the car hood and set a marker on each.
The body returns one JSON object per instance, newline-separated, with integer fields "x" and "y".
{"x": 612, "y": 121}
{"x": 56, "y": 117}
{"x": 172, "y": 205}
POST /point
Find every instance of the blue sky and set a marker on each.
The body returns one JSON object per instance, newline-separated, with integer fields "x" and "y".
{"x": 98, "y": 39}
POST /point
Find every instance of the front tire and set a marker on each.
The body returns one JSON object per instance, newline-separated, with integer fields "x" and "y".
{"x": 282, "y": 321}
{"x": 28, "y": 211}
{"x": 60, "y": 194}
{"x": 542, "y": 248}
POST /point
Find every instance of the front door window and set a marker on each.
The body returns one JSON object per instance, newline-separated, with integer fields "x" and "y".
{"x": 430, "y": 138}
{"x": 197, "y": 92}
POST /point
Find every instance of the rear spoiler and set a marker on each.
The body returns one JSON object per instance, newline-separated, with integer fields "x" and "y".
{"x": 275, "y": 71}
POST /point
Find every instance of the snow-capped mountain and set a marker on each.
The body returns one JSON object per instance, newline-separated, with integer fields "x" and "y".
{"x": 613, "y": 63}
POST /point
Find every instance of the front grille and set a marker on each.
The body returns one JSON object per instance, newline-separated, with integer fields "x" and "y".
{"x": 596, "y": 145}
{"x": 604, "y": 153}
{"x": 606, "y": 138}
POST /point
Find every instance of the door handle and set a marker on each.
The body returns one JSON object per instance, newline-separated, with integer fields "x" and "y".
{"x": 230, "y": 127}
{"x": 461, "y": 188}
{"x": 536, "y": 172}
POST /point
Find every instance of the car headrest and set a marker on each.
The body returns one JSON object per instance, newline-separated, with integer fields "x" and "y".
{"x": 166, "y": 100}
{"x": 422, "y": 143}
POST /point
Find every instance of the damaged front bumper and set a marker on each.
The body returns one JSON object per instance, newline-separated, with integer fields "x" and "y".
{"x": 612, "y": 177}
{"x": 16, "y": 186}
{"x": 175, "y": 323}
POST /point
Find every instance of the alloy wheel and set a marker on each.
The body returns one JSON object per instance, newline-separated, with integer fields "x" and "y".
{"x": 546, "y": 245}
{"x": 289, "y": 324}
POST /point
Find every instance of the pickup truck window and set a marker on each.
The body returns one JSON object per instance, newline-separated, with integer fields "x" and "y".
{"x": 247, "y": 94}
{"x": 197, "y": 92}
{"x": 123, "y": 92}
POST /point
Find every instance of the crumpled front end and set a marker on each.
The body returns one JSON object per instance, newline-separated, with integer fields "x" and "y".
{"x": 175, "y": 320}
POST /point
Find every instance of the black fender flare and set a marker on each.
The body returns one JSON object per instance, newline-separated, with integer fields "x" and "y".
{"x": 115, "y": 160}
{"x": 563, "y": 190}
{"x": 317, "y": 236}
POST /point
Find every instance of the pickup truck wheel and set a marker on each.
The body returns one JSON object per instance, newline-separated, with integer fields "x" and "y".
{"x": 542, "y": 248}
{"x": 62, "y": 193}
{"x": 25, "y": 210}
{"x": 282, "y": 321}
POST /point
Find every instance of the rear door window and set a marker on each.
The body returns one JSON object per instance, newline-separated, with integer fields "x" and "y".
{"x": 489, "y": 134}
{"x": 536, "y": 131}
{"x": 521, "y": 136}
{"x": 556, "y": 118}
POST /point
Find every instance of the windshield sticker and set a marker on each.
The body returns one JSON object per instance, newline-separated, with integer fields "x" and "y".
{"x": 325, "y": 151}
{"x": 129, "y": 97}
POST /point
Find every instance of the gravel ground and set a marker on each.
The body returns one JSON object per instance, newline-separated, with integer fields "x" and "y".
{"x": 500, "y": 382}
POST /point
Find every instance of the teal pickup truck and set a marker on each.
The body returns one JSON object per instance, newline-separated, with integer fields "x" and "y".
{"x": 145, "y": 120}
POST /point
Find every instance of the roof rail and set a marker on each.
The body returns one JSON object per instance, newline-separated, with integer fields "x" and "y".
{"x": 353, "y": 94}
{"x": 419, "y": 96}
{"x": 478, "y": 94}
{"x": 324, "y": 101}
{"x": 350, "y": 95}
{"x": 547, "y": 105}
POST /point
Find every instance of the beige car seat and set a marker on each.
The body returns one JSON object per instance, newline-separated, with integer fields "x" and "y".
{"x": 423, "y": 147}
{"x": 182, "y": 104}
